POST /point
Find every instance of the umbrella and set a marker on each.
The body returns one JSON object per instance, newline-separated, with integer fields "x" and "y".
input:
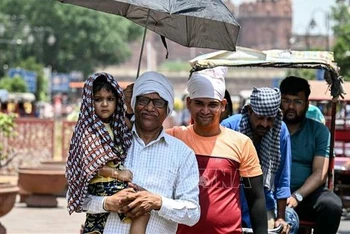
{"x": 191, "y": 23}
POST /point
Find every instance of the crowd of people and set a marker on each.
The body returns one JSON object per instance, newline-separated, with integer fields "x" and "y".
{"x": 263, "y": 168}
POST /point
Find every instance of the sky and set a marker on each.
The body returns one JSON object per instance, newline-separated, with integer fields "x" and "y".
{"x": 304, "y": 10}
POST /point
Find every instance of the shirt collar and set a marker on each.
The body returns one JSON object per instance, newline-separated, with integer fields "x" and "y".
{"x": 162, "y": 136}
{"x": 303, "y": 122}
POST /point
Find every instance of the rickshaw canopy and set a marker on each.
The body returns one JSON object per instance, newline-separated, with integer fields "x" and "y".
{"x": 246, "y": 57}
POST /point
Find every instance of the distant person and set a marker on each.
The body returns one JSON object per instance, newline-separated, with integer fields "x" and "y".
{"x": 261, "y": 121}
{"x": 21, "y": 109}
{"x": 101, "y": 137}
{"x": 313, "y": 112}
{"x": 228, "y": 108}
{"x": 184, "y": 115}
{"x": 310, "y": 142}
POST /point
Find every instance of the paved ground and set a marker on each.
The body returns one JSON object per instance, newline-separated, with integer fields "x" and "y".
{"x": 23, "y": 220}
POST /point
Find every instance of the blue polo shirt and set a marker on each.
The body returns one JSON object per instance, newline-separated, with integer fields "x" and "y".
{"x": 282, "y": 179}
{"x": 312, "y": 139}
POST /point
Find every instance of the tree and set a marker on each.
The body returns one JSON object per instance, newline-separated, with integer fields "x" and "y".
{"x": 341, "y": 17}
{"x": 7, "y": 125}
{"x": 15, "y": 84}
{"x": 84, "y": 39}
{"x": 42, "y": 83}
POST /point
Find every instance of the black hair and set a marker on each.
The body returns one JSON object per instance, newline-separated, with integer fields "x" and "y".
{"x": 292, "y": 85}
{"x": 229, "y": 103}
{"x": 102, "y": 83}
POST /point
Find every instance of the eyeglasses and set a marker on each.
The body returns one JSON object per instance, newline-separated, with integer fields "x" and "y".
{"x": 157, "y": 102}
{"x": 296, "y": 102}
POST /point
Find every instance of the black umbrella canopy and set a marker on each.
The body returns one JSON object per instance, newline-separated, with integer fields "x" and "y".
{"x": 191, "y": 23}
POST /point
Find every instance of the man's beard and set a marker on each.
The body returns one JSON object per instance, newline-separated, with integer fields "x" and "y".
{"x": 296, "y": 119}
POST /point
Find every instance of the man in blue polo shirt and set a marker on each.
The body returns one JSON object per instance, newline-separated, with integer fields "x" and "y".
{"x": 310, "y": 142}
{"x": 261, "y": 120}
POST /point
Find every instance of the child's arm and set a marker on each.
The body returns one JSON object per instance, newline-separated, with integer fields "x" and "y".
{"x": 129, "y": 112}
{"x": 122, "y": 175}
{"x": 136, "y": 187}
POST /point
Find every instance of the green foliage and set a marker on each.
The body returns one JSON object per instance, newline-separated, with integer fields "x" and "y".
{"x": 84, "y": 39}
{"x": 15, "y": 84}
{"x": 341, "y": 17}
{"x": 7, "y": 125}
{"x": 42, "y": 83}
{"x": 175, "y": 66}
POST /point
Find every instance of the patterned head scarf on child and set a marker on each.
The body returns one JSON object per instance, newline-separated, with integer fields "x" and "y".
{"x": 91, "y": 146}
{"x": 266, "y": 102}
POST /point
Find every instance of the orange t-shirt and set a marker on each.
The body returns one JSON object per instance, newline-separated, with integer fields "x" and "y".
{"x": 222, "y": 161}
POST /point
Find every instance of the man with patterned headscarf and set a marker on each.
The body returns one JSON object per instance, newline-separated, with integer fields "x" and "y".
{"x": 261, "y": 121}
{"x": 165, "y": 169}
{"x": 224, "y": 156}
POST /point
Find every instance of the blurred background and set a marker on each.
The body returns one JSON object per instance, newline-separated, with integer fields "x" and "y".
{"x": 48, "y": 49}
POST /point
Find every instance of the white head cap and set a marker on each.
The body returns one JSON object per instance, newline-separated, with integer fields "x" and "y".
{"x": 208, "y": 83}
{"x": 154, "y": 82}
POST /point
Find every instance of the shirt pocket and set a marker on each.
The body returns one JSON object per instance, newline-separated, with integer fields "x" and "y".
{"x": 162, "y": 179}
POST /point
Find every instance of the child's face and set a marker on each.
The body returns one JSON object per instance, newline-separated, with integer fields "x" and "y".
{"x": 105, "y": 103}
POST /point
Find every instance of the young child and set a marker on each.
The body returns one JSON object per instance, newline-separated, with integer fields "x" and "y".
{"x": 101, "y": 137}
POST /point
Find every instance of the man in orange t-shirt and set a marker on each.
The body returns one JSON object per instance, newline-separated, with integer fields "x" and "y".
{"x": 224, "y": 157}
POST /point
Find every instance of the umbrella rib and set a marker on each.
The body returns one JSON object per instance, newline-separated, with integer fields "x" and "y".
{"x": 127, "y": 11}
{"x": 187, "y": 33}
{"x": 143, "y": 43}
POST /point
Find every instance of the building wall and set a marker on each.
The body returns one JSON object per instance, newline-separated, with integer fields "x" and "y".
{"x": 265, "y": 24}
{"x": 236, "y": 80}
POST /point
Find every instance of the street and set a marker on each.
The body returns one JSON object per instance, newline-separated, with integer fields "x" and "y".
{"x": 23, "y": 220}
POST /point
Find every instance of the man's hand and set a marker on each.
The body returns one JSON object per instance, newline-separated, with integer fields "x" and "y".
{"x": 141, "y": 203}
{"x": 118, "y": 200}
{"x": 128, "y": 95}
{"x": 292, "y": 202}
{"x": 285, "y": 225}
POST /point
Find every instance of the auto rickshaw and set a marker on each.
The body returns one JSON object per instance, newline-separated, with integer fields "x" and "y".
{"x": 341, "y": 138}
{"x": 333, "y": 85}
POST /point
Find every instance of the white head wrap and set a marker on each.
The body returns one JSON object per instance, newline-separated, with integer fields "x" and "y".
{"x": 153, "y": 82}
{"x": 208, "y": 83}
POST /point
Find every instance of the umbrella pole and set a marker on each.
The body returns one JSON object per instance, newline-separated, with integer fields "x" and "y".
{"x": 143, "y": 43}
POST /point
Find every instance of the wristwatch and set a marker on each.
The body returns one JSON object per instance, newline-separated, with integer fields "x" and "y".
{"x": 298, "y": 197}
